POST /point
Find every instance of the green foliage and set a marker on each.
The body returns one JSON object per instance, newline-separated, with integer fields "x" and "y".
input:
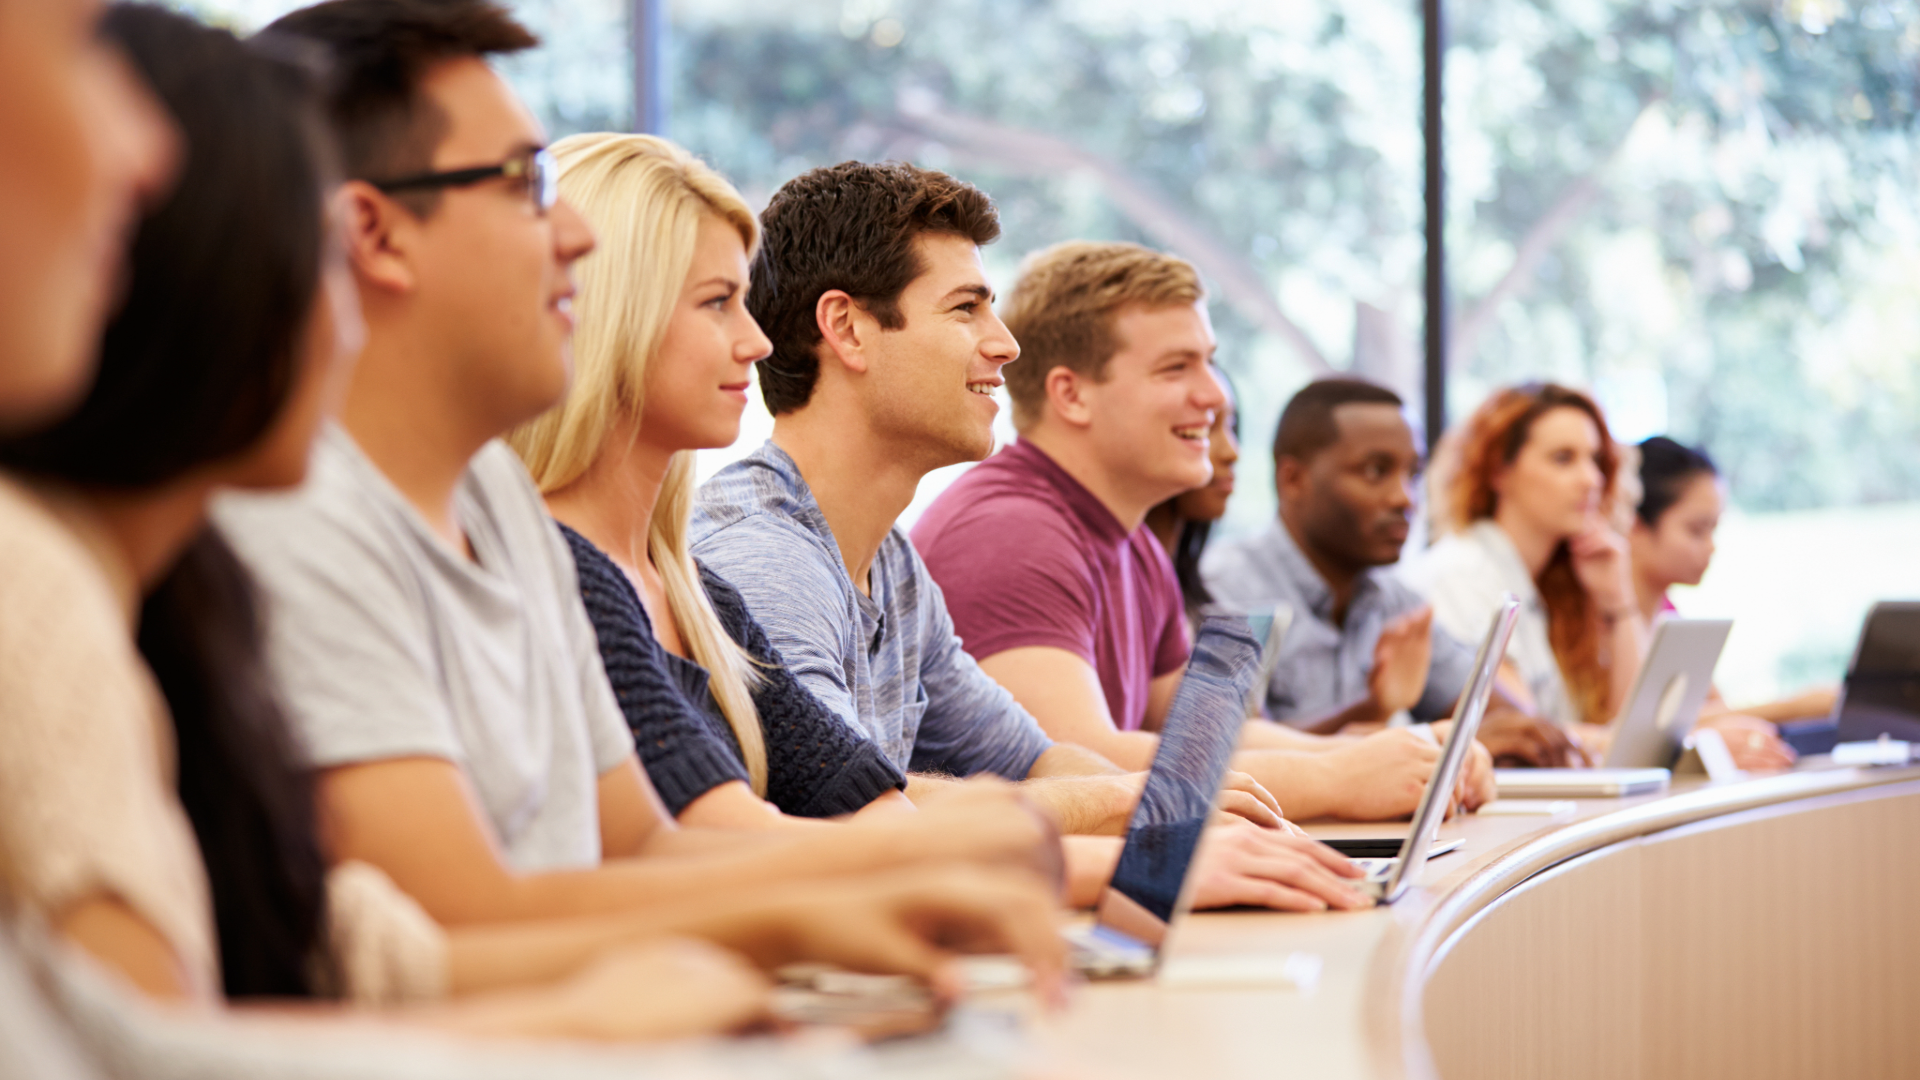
{"x": 1744, "y": 235}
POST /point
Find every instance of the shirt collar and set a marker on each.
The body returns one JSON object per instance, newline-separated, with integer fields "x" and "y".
{"x": 1081, "y": 502}
{"x": 1306, "y": 577}
{"x": 1494, "y": 540}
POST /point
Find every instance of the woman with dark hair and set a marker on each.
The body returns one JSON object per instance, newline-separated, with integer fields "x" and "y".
{"x": 1523, "y": 492}
{"x": 1672, "y": 544}
{"x": 1184, "y": 523}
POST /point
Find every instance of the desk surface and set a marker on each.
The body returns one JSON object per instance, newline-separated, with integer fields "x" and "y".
{"x": 1353, "y": 1022}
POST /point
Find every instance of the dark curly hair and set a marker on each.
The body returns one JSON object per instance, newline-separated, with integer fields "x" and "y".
{"x": 850, "y": 227}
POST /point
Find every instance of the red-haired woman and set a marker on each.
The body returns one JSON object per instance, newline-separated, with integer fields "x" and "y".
{"x": 1524, "y": 490}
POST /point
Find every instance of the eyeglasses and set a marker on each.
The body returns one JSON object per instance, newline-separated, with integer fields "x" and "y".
{"x": 534, "y": 169}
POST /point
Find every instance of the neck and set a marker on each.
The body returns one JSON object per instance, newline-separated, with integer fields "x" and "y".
{"x": 1535, "y": 545}
{"x": 1164, "y": 522}
{"x": 422, "y": 451}
{"x": 862, "y": 481}
{"x": 1126, "y": 501}
{"x": 1649, "y": 593}
{"x": 612, "y": 502}
{"x": 1340, "y": 578}
{"x": 151, "y": 528}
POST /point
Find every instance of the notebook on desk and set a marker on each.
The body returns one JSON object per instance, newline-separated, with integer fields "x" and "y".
{"x": 1579, "y": 783}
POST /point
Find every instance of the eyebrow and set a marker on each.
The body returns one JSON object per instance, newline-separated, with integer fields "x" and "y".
{"x": 718, "y": 279}
{"x": 978, "y": 292}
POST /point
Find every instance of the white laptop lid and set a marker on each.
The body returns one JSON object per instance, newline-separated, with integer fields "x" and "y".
{"x": 1149, "y": 885}
{"x": 1466, "y": 724}
{"x": 1673, "y": 684}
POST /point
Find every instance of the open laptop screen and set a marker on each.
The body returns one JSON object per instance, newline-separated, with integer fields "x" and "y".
{"x": 1196, "y": 743}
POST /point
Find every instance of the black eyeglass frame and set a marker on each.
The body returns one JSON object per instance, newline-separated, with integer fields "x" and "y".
{"x": 536, "y": 166}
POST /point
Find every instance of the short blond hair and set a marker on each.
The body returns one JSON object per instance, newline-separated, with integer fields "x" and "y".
{"x": 645, "y": 198}
{"x": 1062, "y": 307}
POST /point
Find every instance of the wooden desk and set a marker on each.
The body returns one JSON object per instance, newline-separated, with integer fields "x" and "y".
{"x": 1760, "y": 929}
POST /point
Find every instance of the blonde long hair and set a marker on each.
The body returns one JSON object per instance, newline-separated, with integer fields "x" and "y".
{"x": 645, "y": 198}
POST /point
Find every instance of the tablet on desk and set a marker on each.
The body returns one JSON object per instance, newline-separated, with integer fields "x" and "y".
{"x": 1578, "y": 783}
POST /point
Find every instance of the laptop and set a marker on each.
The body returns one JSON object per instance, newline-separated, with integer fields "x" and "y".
{"x": 1881, "y": 694}
{"x": 1387, "y": 879}
{"x": 1151, "y": 886}
{"x": 1674, "y": 681}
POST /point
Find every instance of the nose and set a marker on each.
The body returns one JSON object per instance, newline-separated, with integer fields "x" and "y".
{"x": 572, "y": 236}
{"x": 1207, "y": 391}
{"x": 1403, "y": 492}
{"x": 1228, "y": 446}
{"x": 753, "y": 346}
{"x": 998, "y": 344}
{"x": 138, "y": 142}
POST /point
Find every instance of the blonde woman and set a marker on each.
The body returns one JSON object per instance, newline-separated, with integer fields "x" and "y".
{"x": 663, "y": 349}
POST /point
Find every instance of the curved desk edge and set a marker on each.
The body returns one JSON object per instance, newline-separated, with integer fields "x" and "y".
{"x": 1403, "y": 1050}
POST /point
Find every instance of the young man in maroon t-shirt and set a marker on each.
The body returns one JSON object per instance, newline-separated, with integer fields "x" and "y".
{"x": 1052, "y": 583}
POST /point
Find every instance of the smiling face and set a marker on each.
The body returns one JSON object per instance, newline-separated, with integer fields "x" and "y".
{"x": 1679, "y": 546}
{"x": 1150, "y": 415}
{"x": 929, "y": 385}
{"x": 1209, "y": 503}
{"x": 1352, "y": 501}
{"x": 1554, "y": 484}
{"x": 696, "y": 387}
{"x": 495, "y": 274}
{"x": 85, "y": 144}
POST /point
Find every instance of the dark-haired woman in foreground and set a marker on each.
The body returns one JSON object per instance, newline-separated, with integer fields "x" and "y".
{"x": 1672, "y": 543}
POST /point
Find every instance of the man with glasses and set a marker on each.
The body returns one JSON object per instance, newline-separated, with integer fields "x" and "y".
{"x": 425, "y": 625}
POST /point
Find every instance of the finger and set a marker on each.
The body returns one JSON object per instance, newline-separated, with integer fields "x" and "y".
{"x": 1244, "y": 805}
{"x": 1306, "y": 876}
{"x": 1278, "y": 844}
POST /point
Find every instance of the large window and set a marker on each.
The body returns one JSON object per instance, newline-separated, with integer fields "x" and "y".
{"x": 1706, "y": 210}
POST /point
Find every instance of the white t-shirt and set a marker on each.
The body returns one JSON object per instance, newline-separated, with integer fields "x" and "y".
{"x": 1463, "y": 577}
{"x": 386, "y": 643}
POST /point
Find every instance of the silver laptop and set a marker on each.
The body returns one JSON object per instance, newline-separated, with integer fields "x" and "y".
{"x": 1387, "y": 879}
{"x": 1151, "y": 885}
{"x": 1673, "y": 684}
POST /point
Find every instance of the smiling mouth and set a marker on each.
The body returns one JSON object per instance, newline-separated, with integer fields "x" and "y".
{"x": 1192, "y": 433}
{"x": 984, "y": 389}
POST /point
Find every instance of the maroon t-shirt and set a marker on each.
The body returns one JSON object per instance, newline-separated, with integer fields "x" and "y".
{"x": 1027, "y": 556}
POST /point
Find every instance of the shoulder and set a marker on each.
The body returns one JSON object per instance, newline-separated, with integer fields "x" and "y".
{"x": 346, "y": 511}
{"x": 59, "y": 600}
{"x": 727, "y": 602}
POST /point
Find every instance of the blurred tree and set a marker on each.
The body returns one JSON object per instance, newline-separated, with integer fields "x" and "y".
{"x": 1716, "y": 193}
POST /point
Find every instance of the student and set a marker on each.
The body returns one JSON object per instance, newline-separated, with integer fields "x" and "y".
{"x": 1184, "y": 523}
{"x": 885, "y": 354}
{"x": 85, "y": 145}
{"x": 662, "y": 361}
{"x": 1362, "y": 647}
{"x": 1056, "y": 588}
{"x": 424, "y": 620}
{"x": 1672, "y": 544}
{"x": 1522, "y": 493}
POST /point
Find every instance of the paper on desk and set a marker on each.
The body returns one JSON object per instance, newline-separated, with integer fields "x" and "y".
{"x": 1545, "y": 807}
{"x": 1302, "y": 970}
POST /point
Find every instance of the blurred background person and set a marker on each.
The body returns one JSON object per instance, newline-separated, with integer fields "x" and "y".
{"x": 1184, "y": 523}
{"x": 1680, "y": 505}
{"x": 1522, "y": 492}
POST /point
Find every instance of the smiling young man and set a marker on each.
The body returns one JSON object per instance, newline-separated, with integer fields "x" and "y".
{"x": 1363, "y": 646}
{"x": 886, "y": 351}
{"x": 1054, "y": 584}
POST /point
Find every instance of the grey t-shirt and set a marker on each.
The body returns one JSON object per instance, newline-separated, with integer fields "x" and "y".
{"x": 886, "y": 661}
{"x": 386, "y": 643}
{"x": 1323, "y": 666}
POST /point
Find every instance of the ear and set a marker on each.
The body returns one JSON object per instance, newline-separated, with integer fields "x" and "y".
{"x": 381, "y": 238}
{"x": 844, "y": 329}
{"x": 1067, "y": 397}
{"x": 1289, "y": 478}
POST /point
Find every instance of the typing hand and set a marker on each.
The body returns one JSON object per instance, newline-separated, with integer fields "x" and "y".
{"x": 1274, "y": 869}
{"x": 1752, "y": 742}
{"x": 1400, "y": 660}
{"x": 674, "y": 988}
{"x": 1517, "y": 738}
{"x": 1242, "y": 798}
{"x": 1381, "y": 777}
{"x": 1473, "y": 788}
